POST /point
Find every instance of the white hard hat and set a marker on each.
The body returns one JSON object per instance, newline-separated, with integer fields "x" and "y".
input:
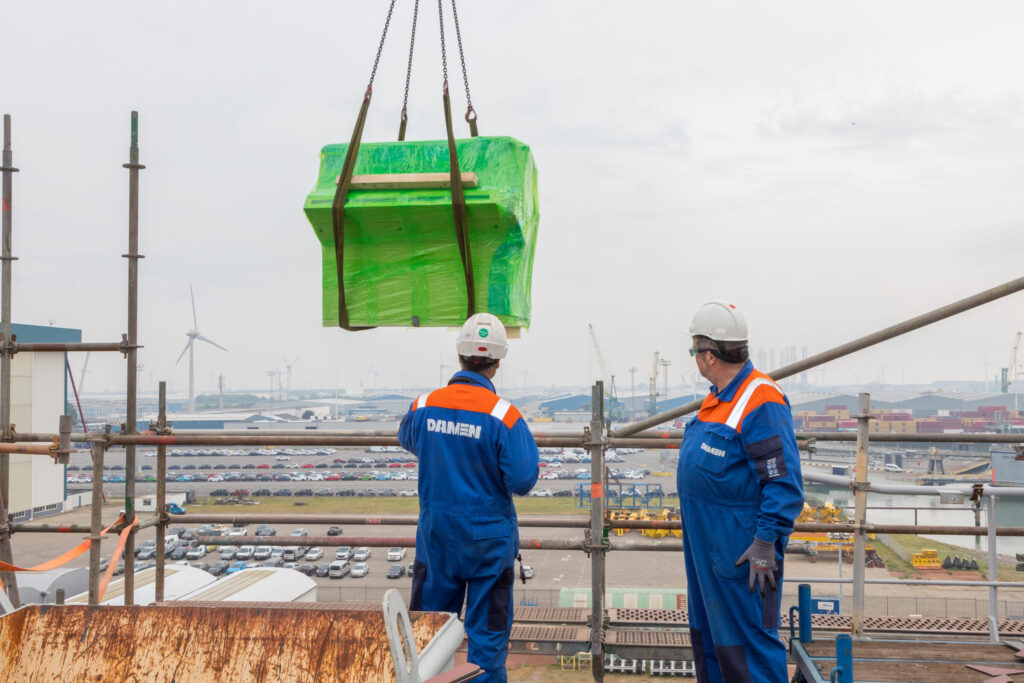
{"x": 720, "y": 321}
{"x": 482, "y": 335}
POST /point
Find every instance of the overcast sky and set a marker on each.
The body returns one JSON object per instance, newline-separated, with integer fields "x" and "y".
{"x": 832, "y": 168}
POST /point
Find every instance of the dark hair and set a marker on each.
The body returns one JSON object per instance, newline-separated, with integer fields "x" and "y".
{"x": 476, "y": 363}
{"x": 728, "y": 351}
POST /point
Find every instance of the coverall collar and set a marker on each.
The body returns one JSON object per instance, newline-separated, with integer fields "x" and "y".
{"x": 470, "y": 377}
{"x": 725, "y": 395}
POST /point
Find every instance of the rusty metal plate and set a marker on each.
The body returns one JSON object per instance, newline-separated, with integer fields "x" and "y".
{"x": 552, "y": 615}
{"x": 647, "y": 637}
{"x": 658, "y": 617}
{"x": 189, "y": 643}
{"x": 562, "y": 634}
{"x": 355, "y": 605}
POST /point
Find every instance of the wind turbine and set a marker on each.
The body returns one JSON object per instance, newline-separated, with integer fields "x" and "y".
{"x": 193, "y": 335}
{"x": 288, "y": 391}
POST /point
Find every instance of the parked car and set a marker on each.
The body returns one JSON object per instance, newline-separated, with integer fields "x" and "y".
{"x": 228, "y": 552}
{"x": 218, "y": 568}
{"x": 245, "y": 552}
{"x": 343, "y": 552}
{"x": 314, "y": 554}
{"x": 360, "y": 570}
{"x": 361, "y": 554}
{"x": 265, "y": 530}
{"x": 196, "y": 553}
{"x": 396, "y": 554}
{"x": 307, "y": 569}
{"x": 323, "y": 570}
{"x": 339, "y": 569}
{"x": 299, "y": 532}
{"x": 541, "y": 493}
{"x": 334, "y": 531}
{"x": 395, "y": 571}
{"x": 236, "y": 567}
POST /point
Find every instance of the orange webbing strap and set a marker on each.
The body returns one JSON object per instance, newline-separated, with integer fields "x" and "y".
{"x": 115, "y": 558}
{"x": 66, "y": 557}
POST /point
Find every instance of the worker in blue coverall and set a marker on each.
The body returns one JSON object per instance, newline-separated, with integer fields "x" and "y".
{"x": 475, "y": 451}
{"x": 740, "y": 490}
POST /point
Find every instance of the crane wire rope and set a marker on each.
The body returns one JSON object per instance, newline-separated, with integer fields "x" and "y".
{"x": 408, "y": 74}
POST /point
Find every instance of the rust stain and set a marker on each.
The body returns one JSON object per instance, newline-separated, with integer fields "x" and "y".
{"x": 201, "y": 643}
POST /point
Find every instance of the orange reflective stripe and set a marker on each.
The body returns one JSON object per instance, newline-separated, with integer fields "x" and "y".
{"x": 712, "y": 410}
{"x": 765, "y": 393}
{"x": 511, "y": 417}
{"x": 474, "y": 398}
{"x": 463, "y": 397}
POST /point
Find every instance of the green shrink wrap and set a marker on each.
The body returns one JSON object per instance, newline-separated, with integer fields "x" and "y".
{"x": 401, "y": 255}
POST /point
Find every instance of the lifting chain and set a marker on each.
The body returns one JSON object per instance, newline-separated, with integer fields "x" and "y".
{"x": 408, "y": 73}
{"x": 444, "y": 54}
{"x": 380, "y": 48}
{"x": 470, "y": 112}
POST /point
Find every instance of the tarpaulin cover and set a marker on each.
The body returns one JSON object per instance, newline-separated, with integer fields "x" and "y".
{"x": 402, "y": 264}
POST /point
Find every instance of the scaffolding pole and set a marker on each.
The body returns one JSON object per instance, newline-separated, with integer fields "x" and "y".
{"x": 96, "y": 526}
{"x": 7, "y": 168}
{"x": 161, "y": 495}
{"x": 860, "y": 514}
{"x": 133, "y": 257}
{"x": 597, "y": 530}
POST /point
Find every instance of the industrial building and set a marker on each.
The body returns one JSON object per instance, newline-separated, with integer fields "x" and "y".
{"x": 39, "y": 395}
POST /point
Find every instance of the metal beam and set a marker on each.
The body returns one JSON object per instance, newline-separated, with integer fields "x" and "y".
{"x": 846, "y": 349}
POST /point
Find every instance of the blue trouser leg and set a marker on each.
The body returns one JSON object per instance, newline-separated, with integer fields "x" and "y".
{"x": 704, "y": 660}
{"x": 734, "y": 632}
{"x": 489, "y": 623}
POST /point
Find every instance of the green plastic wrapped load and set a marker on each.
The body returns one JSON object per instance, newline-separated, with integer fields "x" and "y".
{"x": 402, "y": 265}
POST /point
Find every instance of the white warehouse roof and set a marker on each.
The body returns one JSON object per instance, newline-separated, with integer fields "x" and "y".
{"x": 259, "y": 584}
{"x": 178, "y": 580}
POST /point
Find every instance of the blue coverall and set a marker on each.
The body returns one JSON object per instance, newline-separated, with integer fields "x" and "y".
{"x": 475, "y": 451}
{"x": 738, "y": 478}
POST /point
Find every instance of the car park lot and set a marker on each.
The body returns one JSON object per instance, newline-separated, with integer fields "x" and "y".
{"x": 554, "y": 569}
{"x": 255, "y": 476}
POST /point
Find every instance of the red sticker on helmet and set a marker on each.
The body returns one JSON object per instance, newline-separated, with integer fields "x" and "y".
{"x": 481, "y": 348}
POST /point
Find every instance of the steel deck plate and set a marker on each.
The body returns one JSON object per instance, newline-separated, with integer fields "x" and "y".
{"x": 551, "y": 615}
{"x": 651, "y": 617}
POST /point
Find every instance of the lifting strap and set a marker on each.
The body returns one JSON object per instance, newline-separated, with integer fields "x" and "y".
{"x": 338, "y": 211}
{"x": 459, "y": 208}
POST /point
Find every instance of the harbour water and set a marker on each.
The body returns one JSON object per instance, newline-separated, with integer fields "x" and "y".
{"x": 1009, "y": 512}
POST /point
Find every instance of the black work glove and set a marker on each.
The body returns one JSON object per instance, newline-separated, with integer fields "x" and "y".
{"x": 761, "y": 556}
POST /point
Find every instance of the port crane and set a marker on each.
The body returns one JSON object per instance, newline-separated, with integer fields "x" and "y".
{"x": 614, "y": 407}
{"x": 654, "y": 386}
{"x": 1010, "y": 371}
